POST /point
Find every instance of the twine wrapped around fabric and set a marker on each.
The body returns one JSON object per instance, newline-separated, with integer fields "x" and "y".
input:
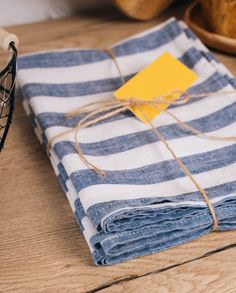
{"x": 101, "y": 110}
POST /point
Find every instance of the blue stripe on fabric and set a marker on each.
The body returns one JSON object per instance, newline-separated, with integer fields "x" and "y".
{"x": 189, "y": 34}
{"x": 50, "y": 119}
{"x": 151, "y": 41}
{"x": 31, "y": 118}
{"x": 63, "y": 177}
{"x": 159, "y": 172}
{"x": 147, "y": 42}
{"x": 73, "y": 89}
{"x": 78, "y": 220}
{"x": 61, "y": 59}
{"x": 209, "y": 123}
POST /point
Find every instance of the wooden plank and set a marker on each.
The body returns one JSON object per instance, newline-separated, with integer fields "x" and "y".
{"x": 215, "y": 273}
{"x": 41, "y": 248}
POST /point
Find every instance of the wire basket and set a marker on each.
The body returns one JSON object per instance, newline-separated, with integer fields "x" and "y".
{"x": 9, "y": 43}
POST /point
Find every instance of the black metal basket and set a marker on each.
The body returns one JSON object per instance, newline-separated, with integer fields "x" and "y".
{"x": 9, "y": 43}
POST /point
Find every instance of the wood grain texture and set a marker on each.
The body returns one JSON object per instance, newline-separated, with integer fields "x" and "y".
{"x": 41, "y": 247}
{"x": 214, "y": 273}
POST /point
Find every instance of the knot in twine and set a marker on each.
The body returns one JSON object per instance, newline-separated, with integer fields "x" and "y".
{"x": 102, "y": 110}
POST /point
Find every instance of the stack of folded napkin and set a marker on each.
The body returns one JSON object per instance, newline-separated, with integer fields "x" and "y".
{"x": 146, "y": 203}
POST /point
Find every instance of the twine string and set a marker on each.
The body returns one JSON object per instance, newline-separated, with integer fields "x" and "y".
{"x": 113, "y": 58}
{"x": 185, "y": 169}
{"x": 99, "y": 111}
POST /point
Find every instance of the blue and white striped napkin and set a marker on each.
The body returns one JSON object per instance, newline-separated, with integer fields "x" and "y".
{"x": 146, "y": 203}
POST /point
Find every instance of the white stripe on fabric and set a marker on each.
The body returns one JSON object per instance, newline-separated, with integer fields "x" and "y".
{"x": 129, "y": 125}
{"x": 150, "y": 153}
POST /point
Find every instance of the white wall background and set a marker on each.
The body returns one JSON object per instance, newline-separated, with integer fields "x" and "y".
{"x": 14, "y": 12}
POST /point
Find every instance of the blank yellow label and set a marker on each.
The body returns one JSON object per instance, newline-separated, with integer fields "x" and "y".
{"x": 165, "y": 75}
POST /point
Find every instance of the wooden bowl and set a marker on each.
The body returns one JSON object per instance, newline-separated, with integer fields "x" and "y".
{"x": 142, "y": 9}
{"x": 195, "y": 20}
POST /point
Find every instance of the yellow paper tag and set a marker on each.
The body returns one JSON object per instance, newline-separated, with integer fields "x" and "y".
{"x": 165, "y": 75}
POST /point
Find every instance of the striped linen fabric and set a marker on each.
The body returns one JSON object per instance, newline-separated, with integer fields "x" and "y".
{"x": 145, "y": 203}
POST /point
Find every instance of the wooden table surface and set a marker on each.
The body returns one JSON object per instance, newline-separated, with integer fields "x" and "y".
{"x": 41, "y": 247}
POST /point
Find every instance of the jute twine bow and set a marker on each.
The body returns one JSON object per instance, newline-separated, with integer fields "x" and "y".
{"x": 101, "y": 110}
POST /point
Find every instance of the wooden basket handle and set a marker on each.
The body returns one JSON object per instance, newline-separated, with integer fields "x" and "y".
{"x": 6, "y": 39}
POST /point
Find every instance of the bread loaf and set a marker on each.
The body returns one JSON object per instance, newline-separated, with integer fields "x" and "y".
{"x": 220, "y": 16}
{"x": 142, "y": 9}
